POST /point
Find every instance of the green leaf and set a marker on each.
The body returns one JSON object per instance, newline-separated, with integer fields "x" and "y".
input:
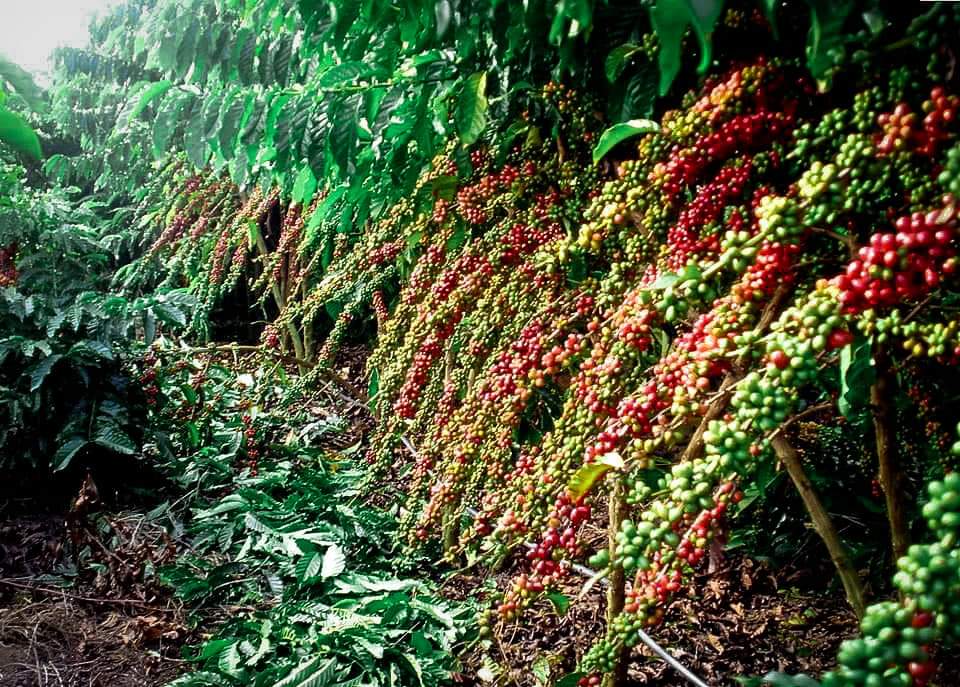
{"x": 621, "y": 132}
{"x": 347, "y": 73}
{"x": 16, "y": 133}
{"x": 572, "y": 18}
{"x": 343, "y": 131}
{"x": 193, "y": 434}
{"x": 233, "y": 109}
{"x": 229, "y": 661}
{"x": 639, "y": 94}
{"x": 42, "y": 370}
{"x": 252, "y": 123}
{"x": 415, "y": 666}
{"x": 857, "y": 374}
{"x": 576, "y": 268}
{"x": 91, "y": 348}
{"x": 826, "y": 38}
{"x": 66, "y": 453}
{"x": 282, "y": 50}
{"x": 561, "y": 603}
{"x": 671, "y": 19}
{"x": 170, "y": 314}
{"x": 151, "y": 93}
{"x": 334, "y": 562}
{"x": 875, "y": 21}
{"x": 22, "y": 84}
{"x": 704, "y": 15}
{"x": 472, "y": 106}
{"x": 785, "y": 680}
{"x": 210, "y": 113}
{"x": 253, "y": 234}
{"x": 313, "y": 672}
{"x": 247, "y": 42}
{"x": 167, "y": 121}
{"x": 618, "y": 59}
{"x": 541, "y": 667}
{"x": 112, "y": 438}
{"x": 443, "y": 13}
{"x": 305, "y": 186}
{"x": 570, "y": 680}
{"x": 373, "y": 388}
{"x": 309, "y": 567}
{"x": 194, "y": 143}
{"x": 770, "y": 12}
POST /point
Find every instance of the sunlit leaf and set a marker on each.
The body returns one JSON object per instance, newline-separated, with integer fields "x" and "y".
{"x": 472, "y": 105}
{"x": 621, "y": 132}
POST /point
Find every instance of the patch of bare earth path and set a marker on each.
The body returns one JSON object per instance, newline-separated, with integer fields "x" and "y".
{"x": 105, "y": 627}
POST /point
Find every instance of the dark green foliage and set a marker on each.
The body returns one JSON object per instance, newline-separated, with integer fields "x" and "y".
{"x": 278, "y": 525}
{"x": 64, "y": 390}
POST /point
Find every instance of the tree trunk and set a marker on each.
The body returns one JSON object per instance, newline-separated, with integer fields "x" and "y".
{"x": 821, "y": 523}
{"x": 617, "y": 580}
{"x": 885, "y": 429}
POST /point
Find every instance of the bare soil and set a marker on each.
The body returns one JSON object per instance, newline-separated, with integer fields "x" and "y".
{"x": 109, "y": 626}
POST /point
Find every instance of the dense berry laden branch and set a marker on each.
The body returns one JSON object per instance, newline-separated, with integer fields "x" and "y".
{"x": 896, "y": 648}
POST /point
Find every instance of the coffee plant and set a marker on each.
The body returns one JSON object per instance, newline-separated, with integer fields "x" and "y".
{"x": 616, "y": 264}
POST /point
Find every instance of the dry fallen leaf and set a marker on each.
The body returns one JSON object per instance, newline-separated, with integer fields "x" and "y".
{"x": 715, "y": 643}
{"x": 716, "y": 586}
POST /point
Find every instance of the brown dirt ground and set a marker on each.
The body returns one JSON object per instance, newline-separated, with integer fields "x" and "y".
{"x": 744, "y": 619}
{"x": 107, "y": 629}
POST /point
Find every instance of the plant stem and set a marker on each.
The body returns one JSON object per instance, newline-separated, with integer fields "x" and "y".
{"x": 617, "y": 581}
{"x": 891, "y": 476}
{"x": 451, "y": 532}
{"x": 278, "y": 299}
{"x": 822, "y": 523}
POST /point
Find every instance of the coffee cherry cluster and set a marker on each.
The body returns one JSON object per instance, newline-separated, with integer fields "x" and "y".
{"x": 8, "y": 265}
{"x": 271, "y": 337}
{"x": 474, "y": 201}
{"x": 903, "y": 265}
{"x": 949, "y": 178}
{"x": 932, "y": 339}
{"x": 148, "y": 378}
{"x": 250, "y": 443}
{"x": 903, "y": 129}
{"x": 895, "y": 648}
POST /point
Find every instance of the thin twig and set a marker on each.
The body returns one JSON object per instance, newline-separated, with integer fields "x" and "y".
{"x": 917, "y": 309}
{"x": 812, "y": 410}
{"x": 87, "y": 599}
